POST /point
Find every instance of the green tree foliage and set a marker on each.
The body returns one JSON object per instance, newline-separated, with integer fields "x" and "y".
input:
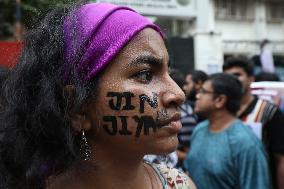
{"x": 6, "y": 17}
{"x": 31, "y": 11}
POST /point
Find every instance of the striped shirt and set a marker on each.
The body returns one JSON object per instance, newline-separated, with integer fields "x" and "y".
{"x": 188, "y": 121}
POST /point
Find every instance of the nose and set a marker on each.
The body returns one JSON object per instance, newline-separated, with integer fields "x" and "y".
{"x": 172, "y": 96}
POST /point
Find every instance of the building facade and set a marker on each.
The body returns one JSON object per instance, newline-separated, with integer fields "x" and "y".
{"x": 219, "y": 28}
{"x": 228, "y": 27}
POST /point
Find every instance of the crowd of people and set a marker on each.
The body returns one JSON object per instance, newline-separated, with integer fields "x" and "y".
{"x": 225, "y": 151}
{"x": 92, "y": 103}
{"x": 220, "y": 155}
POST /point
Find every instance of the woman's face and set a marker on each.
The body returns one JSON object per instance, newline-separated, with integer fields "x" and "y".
{"x": 136, "y": 107}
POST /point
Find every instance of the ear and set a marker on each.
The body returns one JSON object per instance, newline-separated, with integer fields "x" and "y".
{"x": 220, "y": 101}
{"x": 79, "y": 122}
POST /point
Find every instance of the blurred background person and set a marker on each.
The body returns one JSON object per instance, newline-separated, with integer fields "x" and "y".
{"x": 224, "y": 153}
{"x": 193, "y": 82}
{"x": 264, "y": 118}
{"x": 266, "y": 57}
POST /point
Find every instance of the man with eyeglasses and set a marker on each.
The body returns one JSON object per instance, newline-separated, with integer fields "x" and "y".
{"x": 224, "y": 153}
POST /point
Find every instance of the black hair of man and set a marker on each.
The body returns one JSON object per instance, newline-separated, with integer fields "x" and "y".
{"x": 265, "y": 76}
{"x": 263, "y": 43}
{"x": 198, "y": 76}
{"x": 231, "y": 87}
{"x": 239, "y": 61}
{"x": 177, "y": 76}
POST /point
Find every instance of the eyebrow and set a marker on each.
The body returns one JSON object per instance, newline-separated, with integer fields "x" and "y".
{"x": 146, "y": 59}
{"x": 235, "y": 73}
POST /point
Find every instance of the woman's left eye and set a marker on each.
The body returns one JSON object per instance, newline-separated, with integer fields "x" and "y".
{"x": 145, "y": 76}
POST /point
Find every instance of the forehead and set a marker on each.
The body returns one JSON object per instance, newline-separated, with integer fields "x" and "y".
{"x": 236, "y": 70}
{"x": 147, "y": 42}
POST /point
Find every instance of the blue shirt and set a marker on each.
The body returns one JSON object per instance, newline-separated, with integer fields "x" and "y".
{"x": 231, "y": 159}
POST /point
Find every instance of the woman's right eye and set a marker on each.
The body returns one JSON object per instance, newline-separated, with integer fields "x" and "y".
{"x": 144, "y": 76}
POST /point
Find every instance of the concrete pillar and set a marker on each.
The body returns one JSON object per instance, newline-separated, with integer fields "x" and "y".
{"x": 260, "y": 20}
{"x": 208, "y": 54}
{"x": 205, "y": 20}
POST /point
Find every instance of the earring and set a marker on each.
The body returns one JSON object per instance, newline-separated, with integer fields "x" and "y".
{"x": 85, "y": 149}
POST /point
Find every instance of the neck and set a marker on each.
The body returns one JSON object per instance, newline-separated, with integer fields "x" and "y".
{"x": 245, "y": 101}
{"x": 108, "y": 169}
{"x": 247, "y": 97}
{"x": 220, "y": 120}
{"x": 117, "y": 170}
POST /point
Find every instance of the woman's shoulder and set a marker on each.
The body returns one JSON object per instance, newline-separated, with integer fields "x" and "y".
{"x": 173, "y": 178}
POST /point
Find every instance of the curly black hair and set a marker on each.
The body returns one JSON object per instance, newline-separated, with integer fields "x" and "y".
{"x": 36, "y": 136}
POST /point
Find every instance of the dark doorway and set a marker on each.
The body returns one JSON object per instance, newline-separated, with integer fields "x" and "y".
{"x": 181, "y": 52}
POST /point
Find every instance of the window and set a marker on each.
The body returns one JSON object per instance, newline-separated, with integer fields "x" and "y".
{"x": 275, "y": 11}
{"x": 232, "y": 9}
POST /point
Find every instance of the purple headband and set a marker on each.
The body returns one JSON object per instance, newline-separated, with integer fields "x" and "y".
{"x": 95, "y": 33}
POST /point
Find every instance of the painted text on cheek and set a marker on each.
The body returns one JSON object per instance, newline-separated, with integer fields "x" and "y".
{"x": 118, "y": 97}
{"x": 144, "y": 124}
{"x": 122, "y": 101}
{"x": 113, "y": 122}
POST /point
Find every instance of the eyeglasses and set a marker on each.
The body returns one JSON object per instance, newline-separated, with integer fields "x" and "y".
{"x": 204, "y": 91}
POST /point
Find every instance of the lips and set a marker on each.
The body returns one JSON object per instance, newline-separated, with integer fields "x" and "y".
{"x": 173, "y": 125}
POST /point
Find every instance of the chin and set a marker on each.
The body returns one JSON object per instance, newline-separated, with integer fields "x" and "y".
{"x": 165, "y": 145}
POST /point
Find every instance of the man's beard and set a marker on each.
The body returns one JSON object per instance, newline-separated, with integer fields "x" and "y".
{"x": 245, "y": 90}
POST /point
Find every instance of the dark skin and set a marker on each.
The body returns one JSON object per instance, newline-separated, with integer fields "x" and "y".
{"x": 246, "y": 80}
{"x": 117, "y": 160}
{"x": 191, "y": 87}
{"x": 214, "y": 108}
